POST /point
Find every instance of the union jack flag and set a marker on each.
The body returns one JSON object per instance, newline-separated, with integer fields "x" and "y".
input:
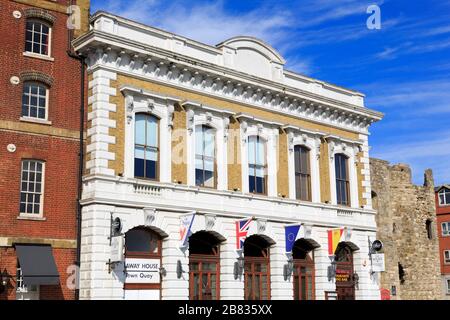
{"x": 242, "y": 227}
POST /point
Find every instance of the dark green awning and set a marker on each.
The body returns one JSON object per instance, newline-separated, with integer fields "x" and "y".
{"x": 37, "y": 264}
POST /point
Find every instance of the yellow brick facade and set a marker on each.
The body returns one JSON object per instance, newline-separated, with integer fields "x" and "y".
{"x": 179, "y": 166}
{"x": 324, "y": 167}
{"x": 234, "y": 156}
{"x": 283, "y": 171}
{"x": 360, "y": 176}
{"x": 179, "y": 146}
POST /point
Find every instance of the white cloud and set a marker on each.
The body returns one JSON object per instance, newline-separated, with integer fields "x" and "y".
{"x": 428, "y": 152}
{"x": 300, "y": 65}
{"x": 415, "y": 96}
{"x": 388, "y": 53}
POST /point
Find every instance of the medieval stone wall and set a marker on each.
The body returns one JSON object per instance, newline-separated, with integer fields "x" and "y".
{"x": 412, "y": 258}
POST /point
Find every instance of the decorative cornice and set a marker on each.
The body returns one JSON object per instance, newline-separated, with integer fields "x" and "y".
{"x": 162, "y": 66}
{"x": 249, "y": 118}
{"x": 130, "y": 92}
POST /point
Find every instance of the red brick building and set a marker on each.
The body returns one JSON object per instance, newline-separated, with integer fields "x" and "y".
{"x": 40, "y": 111}
{"x": 443, "y": 221}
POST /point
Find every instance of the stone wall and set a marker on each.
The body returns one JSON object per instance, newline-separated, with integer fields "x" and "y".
{"x": 402, "y": 213}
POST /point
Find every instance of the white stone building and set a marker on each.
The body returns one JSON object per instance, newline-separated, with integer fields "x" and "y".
{"x": 176, "y": 126}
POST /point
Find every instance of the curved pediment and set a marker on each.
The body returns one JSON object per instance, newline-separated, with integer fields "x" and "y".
{"x": 253, "y": 56}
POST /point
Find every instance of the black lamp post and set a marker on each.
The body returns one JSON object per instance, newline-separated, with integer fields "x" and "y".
{"x": 290, "y": 265}
{"x": 4, "y": 280}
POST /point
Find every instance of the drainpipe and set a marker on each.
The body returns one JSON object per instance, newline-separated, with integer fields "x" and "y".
{"x": 81, "y": 160}
{"x": 71, "y": 53}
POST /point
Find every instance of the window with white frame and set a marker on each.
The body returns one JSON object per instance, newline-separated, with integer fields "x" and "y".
{"x": 448, "y": 286}
{"x": 445, "y": 226}
{"x": 447, "y": 256}
{"x": 32, "y": 187}
{"x": 444, "y": 197}
{"x": 37, "y": 39}
{"x": 34, "y": 100}
{"x": 302, "y": 173}
{"x": 146, "y": 149}
{"x": 205, "y": 172}
{"x": 257, "y": 166}
{"x": 342, "y": 179}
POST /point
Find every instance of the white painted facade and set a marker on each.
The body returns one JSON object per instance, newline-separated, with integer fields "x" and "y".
{"x": 243, "y": 70}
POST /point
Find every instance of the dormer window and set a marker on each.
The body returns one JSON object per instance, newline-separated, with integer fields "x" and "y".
{"x": 444, "y": 197}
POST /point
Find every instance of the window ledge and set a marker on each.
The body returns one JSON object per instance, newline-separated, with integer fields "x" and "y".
{"x": 36, "y": 120}
{"x": 38, "y": 56}
{"x": 29, "y": 217}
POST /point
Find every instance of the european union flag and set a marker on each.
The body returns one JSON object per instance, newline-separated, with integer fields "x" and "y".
{"x": 291, "y": 236}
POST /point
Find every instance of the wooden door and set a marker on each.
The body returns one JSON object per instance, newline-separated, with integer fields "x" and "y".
{"x": 345, "y": 284}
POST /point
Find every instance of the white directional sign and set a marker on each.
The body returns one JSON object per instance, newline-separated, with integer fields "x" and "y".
{"x": 117, "y": 249}
{"x": 142, "y": 270}
{"x": 378, "y": 262}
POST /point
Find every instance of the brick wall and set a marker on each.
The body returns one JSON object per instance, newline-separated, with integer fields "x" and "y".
{"x": 443, "y": 215}
{"x": 56, "y": 143}
{"x": 63, "y": 259}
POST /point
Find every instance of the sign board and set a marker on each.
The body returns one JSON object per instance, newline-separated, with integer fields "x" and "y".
{"x": 142, "y": 270}
{"x": 342, "y": 275}
{"x": 378, "y": 262}
{"x": 377, "y": 245}
{"x": 117, "y": 249}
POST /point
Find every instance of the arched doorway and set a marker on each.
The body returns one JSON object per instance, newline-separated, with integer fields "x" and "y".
{"x": 256, "y": 268}
{"x": 304, "y": 273}
{"x": 142, "y": 264}
{"x": 345, "y": 280}
{"x": 204, "y": 266}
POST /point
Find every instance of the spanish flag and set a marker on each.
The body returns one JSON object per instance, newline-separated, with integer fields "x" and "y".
{"x": 334, "y": 237}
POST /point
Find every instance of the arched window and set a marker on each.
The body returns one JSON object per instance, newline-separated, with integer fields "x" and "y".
{"x": 401, "y": 273}
{"x": 429, "y": 228}
{"x": 34, "y": 100}
{"x": 302, "y": 173}
{"x": 374, "y": 200}
{"x": 141, "y": 242}
{"x": 205, "y": 154}
{"x": 256, "y": 268}
{"x": 143, "y": 253}
{"x": 204, "y": 266}
{"x": 342, "y": 179}
{"x": 303, "y": 256}
{"x": 257, "y": 167}
{"x": 146, "y": 147}
{"x": 37, "y": 37}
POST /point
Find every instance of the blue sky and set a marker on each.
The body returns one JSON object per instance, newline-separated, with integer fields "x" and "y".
{"x": 403, "y": 68}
